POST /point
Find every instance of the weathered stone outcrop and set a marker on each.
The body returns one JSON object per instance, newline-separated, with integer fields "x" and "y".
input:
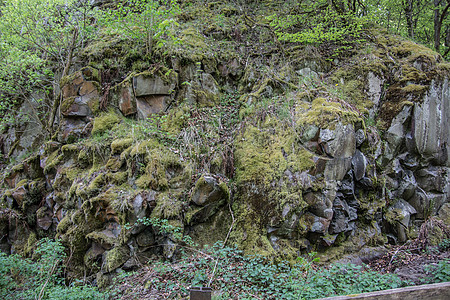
{"x": 336, "y": 164}
{"x": 145, "y": 93}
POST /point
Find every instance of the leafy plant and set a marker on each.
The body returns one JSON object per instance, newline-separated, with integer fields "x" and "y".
{"x": 145, "y": 21}
{"x": 235, "y": 275}
{"x": 444, "y": 245}
{"x": 40, "y": 279}
{"x": 439, "y": 272}
{"x": 38, "y": 39}
{"x": 164, "y": 227}
{"x": 318, "y": 23}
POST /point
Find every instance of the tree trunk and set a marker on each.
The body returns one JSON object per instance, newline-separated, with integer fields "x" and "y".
{"x": 437, "y": 25}
{"x": 58, "y": 99}
{"x": 439, "y": 18}
{"x": 408, "y": 8}
{"x": 339, "y": 6}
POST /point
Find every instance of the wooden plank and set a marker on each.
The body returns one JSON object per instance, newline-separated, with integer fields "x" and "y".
{"x": 436, "y": 291}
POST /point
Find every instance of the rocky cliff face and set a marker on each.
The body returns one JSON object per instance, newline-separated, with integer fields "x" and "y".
{"x": 280, "y": 155}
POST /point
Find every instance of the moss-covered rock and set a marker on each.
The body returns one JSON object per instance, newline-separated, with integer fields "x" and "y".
{"x": 168, "y": 206}
{"x": 64, "y": 224}
{"x": 208, "y": 190}
{"x": 161, "y": 170}
{"x": 263, "y": 154}
{"x": 326, "y": 113}
{"x": 115, "y": 258}
{"x": 119, "y": 145}
{"x": 52, "y": 161}
{"x": 105, "y": 122}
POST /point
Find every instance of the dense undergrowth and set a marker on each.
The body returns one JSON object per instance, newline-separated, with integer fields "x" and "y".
{"x": 236, "y": 276}
{"x": 230, "y": 273}
{"x": 233, "y": 275}
{"x": 41, "y": 278}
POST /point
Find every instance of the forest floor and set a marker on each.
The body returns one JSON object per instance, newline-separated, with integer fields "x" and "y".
{"x": 414, "y": 262}
{"x": 410, "y": 262}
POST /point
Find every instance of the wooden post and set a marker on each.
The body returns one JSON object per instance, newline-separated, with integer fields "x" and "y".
{"x": 200, "y": 293}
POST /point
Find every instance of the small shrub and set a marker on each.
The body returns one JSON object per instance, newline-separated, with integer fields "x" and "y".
{"x": 444, "y": 245}
{"x": 439, "y": 272}
{"x": 235, "y": 275}
{"x": 41, "y": 279}
{"x": 145, "y": 21}
{"x": 318, "y": 24}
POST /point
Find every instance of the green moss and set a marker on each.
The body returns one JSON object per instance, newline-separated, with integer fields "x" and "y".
{"x": 411, "y": 74}
{"x": 191, "y": 213}
{"x": 177, "y": 120}
{"x": 52, "y": 161}
{"x": 331, "y": 254}
{"x": 250, "y": 233}
{"x": 224, "y": 188}
{"x": 75, "y": 240}
{"x": 194, "y": 45}
{"x": 436, "y": 231}
{"x": 115, "y": 258}
{"x": 155, "y": 176}
{"x": 93, "y": 188}
{"x": 373, "y": 65}
{"x": 167, "y": 207}
{"x": 213, "y": 230}
{"x": 97, "y": 182}
{"x": 102, "y": 238}
{"x": 167, "y": 75}
{"x": 413, "y": 51}
{"x": 40, "y": 213}
{"x": 354, "y": 93}
{"x": 145, "y": 147}
{"x": 97, "y": 150}
{"x": 67, "y": 103}
{"x": 415, "y": 88}
{"x": 94, "y": 207}
{"x": 23, "y": 182}
{"x": 91, "y": 74}
{"x": 17, "y": 168}
{"x": 105, "y": 122}
{"x": 69, "y": 78}
{"x": 260, "y": 153}
{"x": 258, "y": 156}
{"x": 69, "y": 149}
{"x": 324, "y": 113}
{"x": 119, "y": 145}
{"x": 370, "y": 204}
{"x": 114, "y": 164}
{"x": 86, "y": 73}
{"x": 30, "y": 245}
{"x": 64, "y": 224}
{"x": 443, "y": 68}
{"x": 392, "y": 216}
{"x": 118, "y": 178}
{"x": 72, "y": 173}
{"x": 8, "y": 193}
{"x": 83, "y": 157}
{"x": 72, "y": 190}
{"x": 262, "y": 157}
{"x": 94, "y": 105}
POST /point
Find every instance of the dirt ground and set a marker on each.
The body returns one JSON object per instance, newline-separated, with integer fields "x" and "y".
{"x": 408, "y": 261}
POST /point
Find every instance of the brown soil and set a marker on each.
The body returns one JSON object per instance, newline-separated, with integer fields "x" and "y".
{"x": 408, "y": 261}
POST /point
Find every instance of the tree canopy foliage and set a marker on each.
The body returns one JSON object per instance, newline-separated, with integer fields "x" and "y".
{"x": 311, "y": 21}
{"x": 39, "y": 38}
